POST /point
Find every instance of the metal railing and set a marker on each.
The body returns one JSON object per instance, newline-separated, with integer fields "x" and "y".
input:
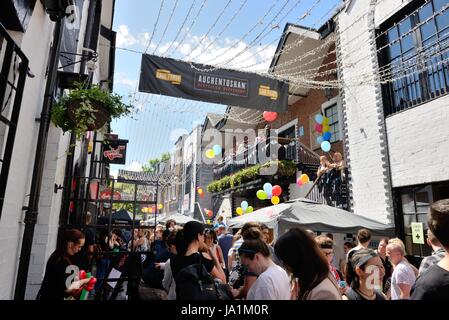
{"x": 295, "y": 151}
{"x": 241, "y": 160}
{"x": 331, "y": 189}
{"x": 418, "y": 78}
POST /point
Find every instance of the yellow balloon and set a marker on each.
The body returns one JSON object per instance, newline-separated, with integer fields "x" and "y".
{"x": 304, "y": 178}
{"x": 326, "y": 121}
{"x": 210, "y": 154}
{"x": 275, "y": 200}
{"x": 239, "y": 211}
{"x": 326, "y": 128}
{"x": 160, "y": 206}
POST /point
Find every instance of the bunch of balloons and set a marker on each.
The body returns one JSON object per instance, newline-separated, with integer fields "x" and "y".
{"x": 302, "y": 180}
{"x": 270, "y": 116}
{"x": 215, "y": 151}
{"x": 270, "y": 192}
{"x": 209, "y": 213}
{"x": 90, "y": 285}
{"x": 323, "y": 128}
{"x": 244, "y": 208}
{"x": 200, "y": 191}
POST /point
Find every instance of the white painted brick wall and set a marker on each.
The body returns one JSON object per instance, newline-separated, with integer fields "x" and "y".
{"x": 34, "y": 43}
{"x": 49, "y": 207}
{"x": 419, "y": 144}
{"x": 418, "y": 138}
{"x": 364, "y": 141}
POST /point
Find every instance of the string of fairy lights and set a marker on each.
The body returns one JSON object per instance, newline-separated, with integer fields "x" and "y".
{"x": 300, "y": 71}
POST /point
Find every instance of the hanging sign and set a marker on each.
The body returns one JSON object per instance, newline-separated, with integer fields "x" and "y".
{"x": 205, "y": 83}
{"x": 114, "y": 151}
{"x": 418, "y": 232}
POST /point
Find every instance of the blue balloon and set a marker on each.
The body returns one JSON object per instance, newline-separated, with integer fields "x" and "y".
{"x": 244, "y": 205}
{"x": 326, "y": 146}
{"x": 267, "y": 187}
{"x": 327, "y": 136}
{"x": 319, "y": 118}
{"x": 319, "y": 140}
{"x": 269, "y": 195}
{"x": 217, "y": 149}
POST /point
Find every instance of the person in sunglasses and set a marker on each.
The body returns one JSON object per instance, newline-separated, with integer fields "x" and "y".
{"x": 272, "y": 281}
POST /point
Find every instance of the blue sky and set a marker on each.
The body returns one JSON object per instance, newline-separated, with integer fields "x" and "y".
{"x": 239, "y": 34}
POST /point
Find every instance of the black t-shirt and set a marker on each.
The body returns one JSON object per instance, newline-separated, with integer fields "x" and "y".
{"x": 89, "y": 233}
{"x": 54, "y": 283}
{"x": 388, "y": 271}
{"x": 179, "y": 262}
{"x": 432, "y": 285}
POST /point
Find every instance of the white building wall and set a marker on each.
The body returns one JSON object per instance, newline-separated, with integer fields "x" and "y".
{"x": 418, "y": 144}
{"x": 364, "y": 124}
{"x": 34, "y": 43}
{"x": 418, "y": 140}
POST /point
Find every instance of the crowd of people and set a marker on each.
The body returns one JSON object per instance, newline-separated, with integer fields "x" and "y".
{"x": 198, "y": 262}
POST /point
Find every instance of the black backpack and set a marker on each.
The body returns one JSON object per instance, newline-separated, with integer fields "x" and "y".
{"x": 195, "y": 283}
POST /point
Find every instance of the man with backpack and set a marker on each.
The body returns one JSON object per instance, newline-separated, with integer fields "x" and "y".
{"x": 195, "y": 271}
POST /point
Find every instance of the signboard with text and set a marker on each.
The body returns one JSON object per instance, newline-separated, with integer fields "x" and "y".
{"x": 114, "y": 151}
{"x": 209, "y": 84}
{"x": 417, "y": 232}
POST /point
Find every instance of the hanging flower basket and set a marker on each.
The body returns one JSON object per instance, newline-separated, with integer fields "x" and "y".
{"x": 89, "y": 109}
{"x": 99, "y": 116}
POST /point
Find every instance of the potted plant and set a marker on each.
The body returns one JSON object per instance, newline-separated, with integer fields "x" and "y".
{"x": 88, "y": 109}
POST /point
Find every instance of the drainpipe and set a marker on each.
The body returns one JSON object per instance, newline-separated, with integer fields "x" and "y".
{"x": 38, "y": 169}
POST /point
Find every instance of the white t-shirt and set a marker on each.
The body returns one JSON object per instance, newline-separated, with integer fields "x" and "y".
{"x": 273, "y": 284}
{"x": 402, "y": 273}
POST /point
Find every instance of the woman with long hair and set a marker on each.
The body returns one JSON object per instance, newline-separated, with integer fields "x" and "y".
{"x": 60, "y": 271}
{"x": 272, "y": 281}
{"x": 300, "y": 255}
{"x": 189, "y": 244}
{"x": 211, "y": 241}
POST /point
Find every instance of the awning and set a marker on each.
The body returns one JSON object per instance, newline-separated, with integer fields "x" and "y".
{"x": 179, "y": 218}
{"x": 311, "y": 215}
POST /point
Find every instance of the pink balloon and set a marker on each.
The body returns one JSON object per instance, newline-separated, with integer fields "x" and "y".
{"x": 299, "y": 182}
{"x": 319, "y": 127}
{"x": 270, "y": 116}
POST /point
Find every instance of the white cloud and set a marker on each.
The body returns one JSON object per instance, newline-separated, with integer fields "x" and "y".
{"x": 207, "y": 50}
{"x": 135, "y": 166}
{"x": 124, "y": 37}
{"x": 175, "y": 134}
{"x": 123, "y": 80}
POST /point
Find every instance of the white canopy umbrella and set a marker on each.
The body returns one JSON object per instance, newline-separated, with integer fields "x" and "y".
{"x": 311, "y": 215}
{"x": 179, "y": 218}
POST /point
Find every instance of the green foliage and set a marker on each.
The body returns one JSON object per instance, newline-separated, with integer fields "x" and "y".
{"x": 84, "y": 113}
{"x": 286, "y": 168}
{"x": 152, "y": 165}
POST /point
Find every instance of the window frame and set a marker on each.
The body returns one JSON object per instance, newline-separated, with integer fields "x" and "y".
{"x": 428, "y": 83}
